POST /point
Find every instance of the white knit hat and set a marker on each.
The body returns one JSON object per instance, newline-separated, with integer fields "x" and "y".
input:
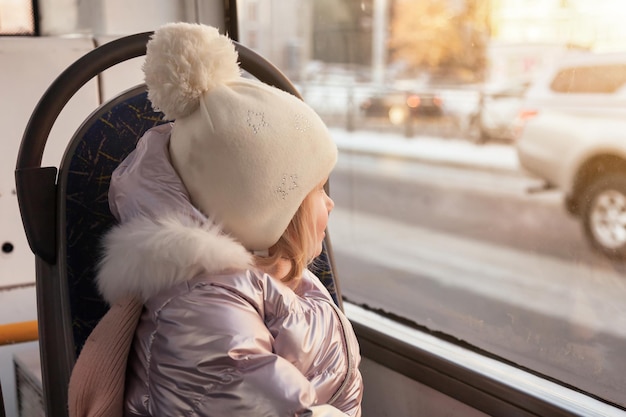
{"x": 248, "y": 153}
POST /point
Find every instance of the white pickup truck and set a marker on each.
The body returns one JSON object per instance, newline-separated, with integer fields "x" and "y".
{"x": 572, "y": 133}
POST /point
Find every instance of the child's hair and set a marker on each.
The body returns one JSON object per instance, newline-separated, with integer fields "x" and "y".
{"x": 297, "y": 244}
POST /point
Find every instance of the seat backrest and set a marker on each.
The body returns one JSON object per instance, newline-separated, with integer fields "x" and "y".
{"x": 97, "y": 148}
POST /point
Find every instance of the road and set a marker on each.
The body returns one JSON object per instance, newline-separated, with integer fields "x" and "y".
{"x": 479, "y": 204}
{"x": 472, "y": 254}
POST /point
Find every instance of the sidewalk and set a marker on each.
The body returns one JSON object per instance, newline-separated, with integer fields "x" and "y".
{"x": 428, "y": 149}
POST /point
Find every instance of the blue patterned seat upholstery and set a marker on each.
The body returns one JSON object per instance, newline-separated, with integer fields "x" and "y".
{"x": 103, "y": 141}
{"x": 99, "y": 146}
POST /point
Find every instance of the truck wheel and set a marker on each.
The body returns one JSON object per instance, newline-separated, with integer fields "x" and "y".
{"x": 604, "y": 215}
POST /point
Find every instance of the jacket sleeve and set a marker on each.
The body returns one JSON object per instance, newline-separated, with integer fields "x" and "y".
{"x": 212, "y": 355}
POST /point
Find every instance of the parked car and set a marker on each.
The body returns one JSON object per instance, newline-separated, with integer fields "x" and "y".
{"x": 572, "y": 133}
{"x": 396, "y": 106}
{"x": 495, "y": 114}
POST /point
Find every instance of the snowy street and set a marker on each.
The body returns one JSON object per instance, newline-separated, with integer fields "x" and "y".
{"x": 456, "y": 152}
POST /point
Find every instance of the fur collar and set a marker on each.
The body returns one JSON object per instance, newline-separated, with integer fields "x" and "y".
{"x": 145, "y": 256}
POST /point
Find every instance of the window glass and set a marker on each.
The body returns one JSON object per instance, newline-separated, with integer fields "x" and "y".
{"x": 461, "y": 202}
{"x": 16, "y": 17}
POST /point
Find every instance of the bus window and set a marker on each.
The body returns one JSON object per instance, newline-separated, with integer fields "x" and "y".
{"x": 17, "y": 17}
{"x": 463, "y": 202}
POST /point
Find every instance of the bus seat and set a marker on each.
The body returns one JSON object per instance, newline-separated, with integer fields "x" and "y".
{"x": 65, "y": 218}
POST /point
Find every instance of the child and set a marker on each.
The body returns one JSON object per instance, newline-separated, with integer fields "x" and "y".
{"x": 220, "y": 213}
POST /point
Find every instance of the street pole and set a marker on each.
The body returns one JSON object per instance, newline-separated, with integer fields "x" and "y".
{"x": 379, "y": 40}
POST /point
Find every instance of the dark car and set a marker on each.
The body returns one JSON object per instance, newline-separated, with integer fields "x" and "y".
{"x": 397, "y": 105}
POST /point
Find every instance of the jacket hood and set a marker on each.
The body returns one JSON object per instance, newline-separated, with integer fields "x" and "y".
{"x": 161, "y": 239}
{"x": 146, "y": 183}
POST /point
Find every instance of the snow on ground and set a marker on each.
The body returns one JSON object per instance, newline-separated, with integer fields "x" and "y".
{"x": 457, "y": 152}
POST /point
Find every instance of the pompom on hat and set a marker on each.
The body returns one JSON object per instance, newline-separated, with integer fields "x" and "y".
{"x": 248, "y": 153}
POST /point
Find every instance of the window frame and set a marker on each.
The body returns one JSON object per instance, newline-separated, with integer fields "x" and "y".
{"x": 488, "y": 384}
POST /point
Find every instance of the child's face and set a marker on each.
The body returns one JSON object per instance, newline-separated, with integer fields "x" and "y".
{"x": 321, "y": 205}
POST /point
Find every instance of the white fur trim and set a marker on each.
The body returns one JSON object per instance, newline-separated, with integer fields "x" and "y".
{"x": 145, "y": 256}
{"x": 183, "y": 61}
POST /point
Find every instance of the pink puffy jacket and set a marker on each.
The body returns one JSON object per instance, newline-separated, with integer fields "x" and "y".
{"x": 216, "y": 336}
